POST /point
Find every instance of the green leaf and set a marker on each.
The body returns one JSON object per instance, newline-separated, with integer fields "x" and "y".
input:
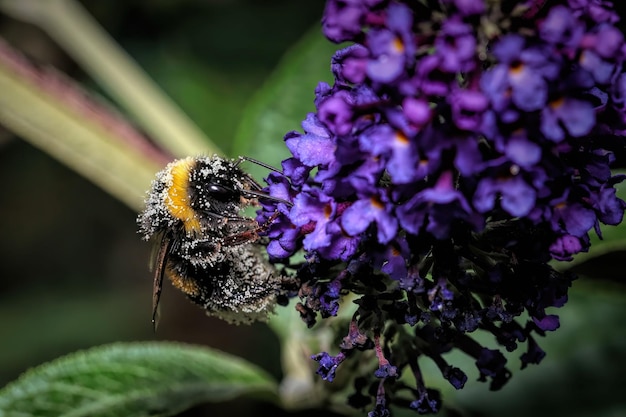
{"x": 284, "y": 101}
{"x": 131, "y": 380}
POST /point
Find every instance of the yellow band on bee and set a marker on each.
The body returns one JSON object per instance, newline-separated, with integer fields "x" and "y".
{"x": 177, "y": 200}
{"x": 185, "y": 284}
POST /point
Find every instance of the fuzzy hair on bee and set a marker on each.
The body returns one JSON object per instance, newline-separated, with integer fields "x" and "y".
{"x": 205, "y": 246}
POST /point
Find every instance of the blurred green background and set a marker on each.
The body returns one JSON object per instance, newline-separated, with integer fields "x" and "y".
{"x": 74, "y": 273}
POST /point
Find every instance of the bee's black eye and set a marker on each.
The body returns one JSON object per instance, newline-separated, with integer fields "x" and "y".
{"x": 218, "y": 189}
{"x": 220, "y": 192}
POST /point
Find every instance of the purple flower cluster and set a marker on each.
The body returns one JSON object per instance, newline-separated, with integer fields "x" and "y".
{"x": 461, "y": 148}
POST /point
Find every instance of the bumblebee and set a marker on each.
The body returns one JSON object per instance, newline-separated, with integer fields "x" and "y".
{"x": 206, "y": 247}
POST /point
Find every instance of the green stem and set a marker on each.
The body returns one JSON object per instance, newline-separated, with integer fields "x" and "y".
{"x": 69, "y": 24}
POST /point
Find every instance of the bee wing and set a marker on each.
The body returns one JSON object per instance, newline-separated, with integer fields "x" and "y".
{"x": 156, "y": 247}
{"x": 158, "y": 266}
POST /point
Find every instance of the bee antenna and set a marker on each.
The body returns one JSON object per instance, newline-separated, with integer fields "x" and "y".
{"x": 257, "y": 162}
{"x": 267, "y": 197}
{"x": 258, "y": 193}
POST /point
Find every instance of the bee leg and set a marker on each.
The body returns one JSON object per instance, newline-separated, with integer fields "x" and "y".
{"x": 249, "y": 236}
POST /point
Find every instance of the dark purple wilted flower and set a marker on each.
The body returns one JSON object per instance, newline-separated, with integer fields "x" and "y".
{"x": 458, "y": 152}
{"x": 328, "y": 364}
